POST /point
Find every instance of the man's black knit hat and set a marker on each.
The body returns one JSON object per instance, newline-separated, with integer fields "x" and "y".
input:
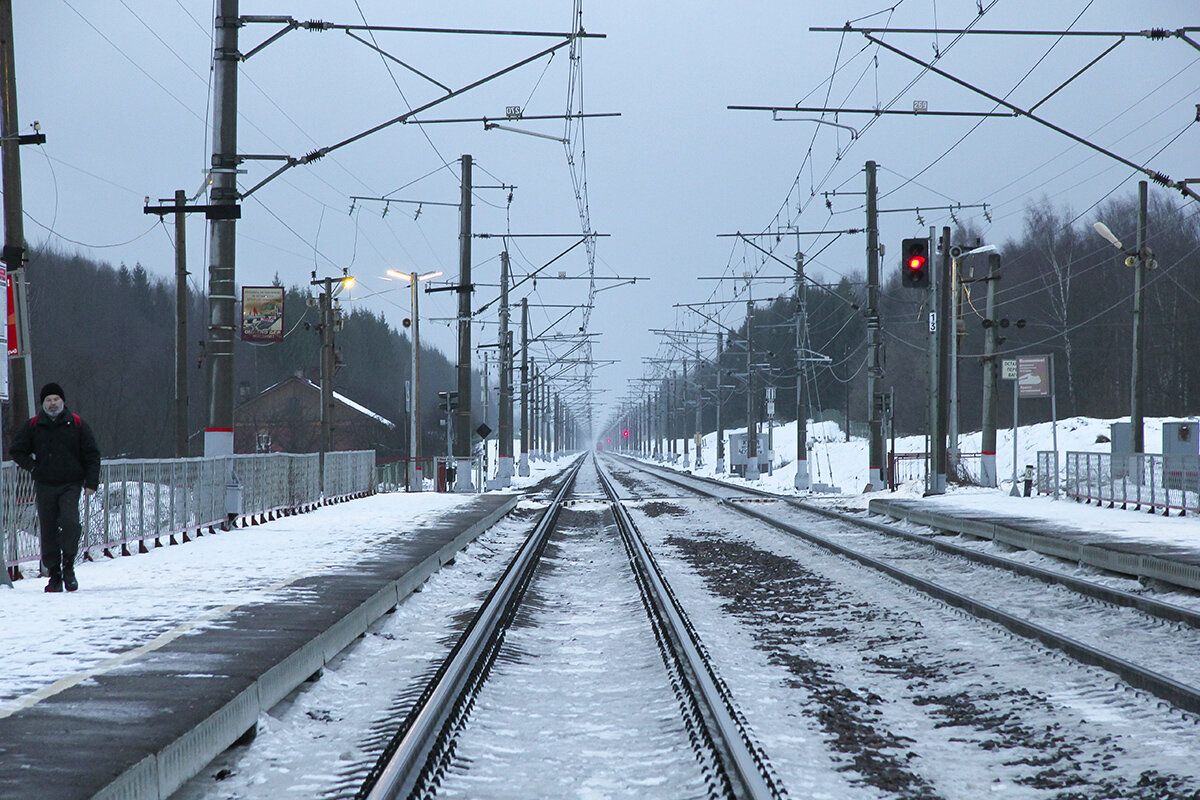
{"x": 49, "y": 389}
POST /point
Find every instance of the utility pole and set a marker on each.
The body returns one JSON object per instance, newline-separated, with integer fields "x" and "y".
{"x": 329, "y": 322}
{"x": 20, "y": 390}
{"x": 988, "y": 476}
{"x": 683, "y": 428}
{"x": 874, "y": 343}
{"x": 699, "y": 427}
{"x": 720, "y": 425}
{"x": 462, "y": 431}
{"x": 181, "y": 337}
{"x": 218, "y": 435}
{"x": 523, "y": 466}
{"x": 1139, "y": 336}
{"x": 504, "y": 469}
{"x": 945, "y": 326}
{"x": 802, "y": 482}
{"x": 751, "y": 426}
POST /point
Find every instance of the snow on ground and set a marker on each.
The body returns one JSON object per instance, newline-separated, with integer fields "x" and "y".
{"x": 53, "y": 641}
{"x": 843, "y": 464}
{"x": 127, "y": 602}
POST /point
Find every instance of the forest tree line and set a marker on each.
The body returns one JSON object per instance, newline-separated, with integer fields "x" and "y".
{"x": 1070, "y": 290}
{"x": 106, "y": 334}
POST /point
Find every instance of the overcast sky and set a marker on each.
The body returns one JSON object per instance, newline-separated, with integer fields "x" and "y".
{"x": 121, "y": 89}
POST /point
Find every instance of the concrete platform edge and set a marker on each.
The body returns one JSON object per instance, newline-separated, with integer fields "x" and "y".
{"x": 157, "y": 776}
{"x": 1141, "y": 566}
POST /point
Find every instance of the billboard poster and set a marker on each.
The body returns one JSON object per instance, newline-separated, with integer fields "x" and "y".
{"x": 11, "y": 327}
{"x": 10, "y": 336}
{"x": 262, "y": 313}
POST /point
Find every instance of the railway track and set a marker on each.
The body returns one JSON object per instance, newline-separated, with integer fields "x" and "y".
{"x": 1152, "y": 645}
{"x": 855, "y": 685}
{"x": 430, "y": 752}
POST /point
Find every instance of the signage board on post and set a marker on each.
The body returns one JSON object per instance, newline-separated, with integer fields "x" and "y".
{"x": 262, "y": 314}
{"x": 8, "y": 334}
{"x": 738, "y": 456}
{"x": 10, "y": 328}
{"x": 1033, "y": 376}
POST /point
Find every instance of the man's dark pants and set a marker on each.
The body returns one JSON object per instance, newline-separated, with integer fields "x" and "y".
{"x": 58, "y": 513}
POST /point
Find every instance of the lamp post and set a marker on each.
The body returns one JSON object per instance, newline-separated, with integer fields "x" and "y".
{"x": 1141, "y": 260}
{"x": 415, "y": 477}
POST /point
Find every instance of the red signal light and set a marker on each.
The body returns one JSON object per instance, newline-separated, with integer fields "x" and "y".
{"x": 914, "y": 262}
{"x": 625, "y": 434}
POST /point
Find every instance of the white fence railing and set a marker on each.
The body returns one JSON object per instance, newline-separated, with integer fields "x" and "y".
{"x": 143, "y": 500}
{"x": 1155, "y": 482}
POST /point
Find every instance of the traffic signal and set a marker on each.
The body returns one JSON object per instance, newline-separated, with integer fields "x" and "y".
{"x": 914, "y": 263}
{"x": 625, "y": 434}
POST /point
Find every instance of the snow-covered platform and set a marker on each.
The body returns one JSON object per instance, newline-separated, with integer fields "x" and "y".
{"x": 112, "y": 720}
{"x": 1126, "y": 541}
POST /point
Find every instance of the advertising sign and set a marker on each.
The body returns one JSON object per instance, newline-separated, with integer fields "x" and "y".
{"x": 262, "y": 313}
{"x": 11, "y": 328}
{"x": 8, "y": 334}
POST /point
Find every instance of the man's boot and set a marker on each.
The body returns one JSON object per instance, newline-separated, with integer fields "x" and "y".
{"x": 68, "y": 577}
{"x": 56, "y": 580}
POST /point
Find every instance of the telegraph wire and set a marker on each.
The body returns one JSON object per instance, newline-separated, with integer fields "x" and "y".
{"x": 134, "y": 63}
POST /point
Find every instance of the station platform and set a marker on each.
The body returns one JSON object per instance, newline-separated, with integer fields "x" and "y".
{"x": 139, "y": 724}
{"x": 1135, "y": 543}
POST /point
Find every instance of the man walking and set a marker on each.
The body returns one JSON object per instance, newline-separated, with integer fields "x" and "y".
{"x": 58, "y": 449}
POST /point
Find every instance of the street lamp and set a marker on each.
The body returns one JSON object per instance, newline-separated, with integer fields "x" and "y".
{"x": 415, "y": 477}
{"x": 1141, "y": 260}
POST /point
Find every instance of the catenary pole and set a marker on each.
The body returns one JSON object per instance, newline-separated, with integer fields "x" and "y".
{"x": 1139, "y": 335}
{"x": 223, "y": 192}
{"x": 987, "y": 471}
{"x": 751, "y": 425}
{"x": 181, "y": 315}
{"x": 218, "y": 435}
{"x": 945, "y": 329}
{"x": 504, "y": 469}
{"x": 523, "y": 466}
{"x": 874, "y": 342}
{"x": 21, "y": 366}
{"x": 720, "y": 425}
{"x": 698, "y": 428}
{"x": 802, "y": 480}
{"x": 462, "y": 431}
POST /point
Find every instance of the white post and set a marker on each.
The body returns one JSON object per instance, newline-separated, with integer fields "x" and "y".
{"x": 1015, "y": 491}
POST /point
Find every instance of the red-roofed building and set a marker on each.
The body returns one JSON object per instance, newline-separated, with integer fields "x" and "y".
{"x": 286, "y": 418}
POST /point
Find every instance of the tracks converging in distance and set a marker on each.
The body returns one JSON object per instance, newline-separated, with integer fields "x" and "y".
{"x": 428, "y": 750}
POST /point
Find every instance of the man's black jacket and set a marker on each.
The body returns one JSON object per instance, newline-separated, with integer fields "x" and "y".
{"x": 57, "y": 450}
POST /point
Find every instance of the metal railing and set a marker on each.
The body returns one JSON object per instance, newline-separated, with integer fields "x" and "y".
{"x": 905, "y": 467}
{"x": 142, "y": 500}
{"x": 1162, "y": 483}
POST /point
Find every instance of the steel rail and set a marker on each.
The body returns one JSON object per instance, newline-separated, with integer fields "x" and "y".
{"x": 406, "y": 763}
{"x": 1178, "y": 694}
{"x": 745, "y": 765}
{"x": 1117, "y": 597}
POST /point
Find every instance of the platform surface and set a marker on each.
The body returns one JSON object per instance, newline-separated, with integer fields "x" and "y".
{"x": 1137, "y": 542}
{"x": 129, "y": 686}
